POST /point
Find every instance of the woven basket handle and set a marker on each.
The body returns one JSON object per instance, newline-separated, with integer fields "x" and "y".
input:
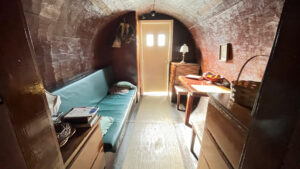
{"x": 246, "y": 64}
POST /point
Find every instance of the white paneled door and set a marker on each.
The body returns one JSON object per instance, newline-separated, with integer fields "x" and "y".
{"x": 156, "y": 52}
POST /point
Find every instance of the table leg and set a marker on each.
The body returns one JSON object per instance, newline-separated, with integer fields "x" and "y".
{"x": 193, "y": 143}
{"x": 178, "y": 101}
{"x": 188, "y": 110}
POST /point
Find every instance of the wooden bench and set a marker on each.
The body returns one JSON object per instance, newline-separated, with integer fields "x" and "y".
{"x": 180, "y": 90}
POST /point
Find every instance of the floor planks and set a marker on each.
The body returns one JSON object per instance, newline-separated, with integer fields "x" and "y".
{"x": 153, "y": 144}
{"x": 156, "y": 137}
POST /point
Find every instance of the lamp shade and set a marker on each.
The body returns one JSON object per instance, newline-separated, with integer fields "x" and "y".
{"x": 184, "y": 48}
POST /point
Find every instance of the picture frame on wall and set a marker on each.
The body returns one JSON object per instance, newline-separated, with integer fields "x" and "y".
{"x": 224, "y": 52}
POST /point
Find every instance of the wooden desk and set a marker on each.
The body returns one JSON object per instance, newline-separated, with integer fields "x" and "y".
{"x": 198, "y": 88}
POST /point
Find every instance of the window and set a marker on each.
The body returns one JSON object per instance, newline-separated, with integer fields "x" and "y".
{"x": 150, "y": 40}
{"x": 161, "y": 41}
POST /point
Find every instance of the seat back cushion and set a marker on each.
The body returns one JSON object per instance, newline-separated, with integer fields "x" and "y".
{"x": 87, "y": 91}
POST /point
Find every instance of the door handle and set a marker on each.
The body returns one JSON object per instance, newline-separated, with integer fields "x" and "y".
{"x": 1, "y": 100}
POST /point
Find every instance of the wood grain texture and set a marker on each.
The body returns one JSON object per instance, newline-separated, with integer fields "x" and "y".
{"x": 188, "y": 111}
{"x": 236, "y": 111}
{"x": 227, "y": 134}
{"x": 202, "y": 164}
{"x": 153, "y": 144}
{"x": 88, "y": 153}
{"x": 10, "y": 150}
{"x": 99, "y": 162}
{"x": 227, "y": 131}
{"x": 76, "y": 142}
{"x": 214, "y": 156}
{"x": 23, "y": 92}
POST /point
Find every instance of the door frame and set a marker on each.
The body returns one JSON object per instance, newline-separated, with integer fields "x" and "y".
{"x": 140, "y": 50}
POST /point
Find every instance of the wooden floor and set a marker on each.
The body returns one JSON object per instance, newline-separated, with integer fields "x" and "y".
{"x": 156, "y": 137}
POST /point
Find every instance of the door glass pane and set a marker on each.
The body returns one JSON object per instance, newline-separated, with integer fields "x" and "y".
{"x": 161, "y": 40}
{"x": 150, "y": 39}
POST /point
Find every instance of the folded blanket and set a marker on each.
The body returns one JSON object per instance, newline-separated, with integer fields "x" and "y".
{"x": 105, "y": 124}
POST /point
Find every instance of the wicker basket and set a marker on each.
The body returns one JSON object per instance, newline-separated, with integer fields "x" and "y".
{"x": 244, "y": 92}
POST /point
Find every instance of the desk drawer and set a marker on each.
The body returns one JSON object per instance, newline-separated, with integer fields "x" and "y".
{"x": 88, "y": 153}
{"x": 100, "y": 161}
{"x": 226, "y": 133}
{"x": 202, "y": 164}
{"x": 214, "y": 157}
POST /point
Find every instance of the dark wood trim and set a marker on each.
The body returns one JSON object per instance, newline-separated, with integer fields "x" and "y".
{"x": 23, "y": 92}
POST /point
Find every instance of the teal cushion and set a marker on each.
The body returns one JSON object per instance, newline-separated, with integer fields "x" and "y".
{"x": 118, "y": 107}
{"x": 88, "y": 91}
{"x": 111, "y": 138}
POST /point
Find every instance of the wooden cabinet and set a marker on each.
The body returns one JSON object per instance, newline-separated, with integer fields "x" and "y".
{"x": 226, "y": 129}
{"x": 100, "y": 160}
{"x": 85, "y": 149}
{"x": 211, "y": 152}
{"x": 180, "y": 69}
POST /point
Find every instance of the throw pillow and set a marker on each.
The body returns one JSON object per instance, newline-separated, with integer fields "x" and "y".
{"x": 118, "y": 90}
{"x": 125, "y": 84}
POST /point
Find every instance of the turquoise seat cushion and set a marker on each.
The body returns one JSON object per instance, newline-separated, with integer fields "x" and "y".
{"x": 110, "y": 139}
{"x": 118, "y": 107}
{"x": 88, "y": 91}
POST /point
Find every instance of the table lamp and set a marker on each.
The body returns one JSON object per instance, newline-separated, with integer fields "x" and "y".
{"x": 184, "y": 49}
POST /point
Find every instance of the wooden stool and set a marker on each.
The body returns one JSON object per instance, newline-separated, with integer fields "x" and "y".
{"x": 180, "y": 90}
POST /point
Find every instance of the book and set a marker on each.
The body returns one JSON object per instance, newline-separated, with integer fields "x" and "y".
{"x": 197, "y": 77}
{"x": 82, "y": 112}
{"x": 79, "y": 119}
{"x": 91, "y": 123}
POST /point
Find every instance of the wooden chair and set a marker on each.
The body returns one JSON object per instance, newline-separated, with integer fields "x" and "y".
{"x": 179, "y": 90}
